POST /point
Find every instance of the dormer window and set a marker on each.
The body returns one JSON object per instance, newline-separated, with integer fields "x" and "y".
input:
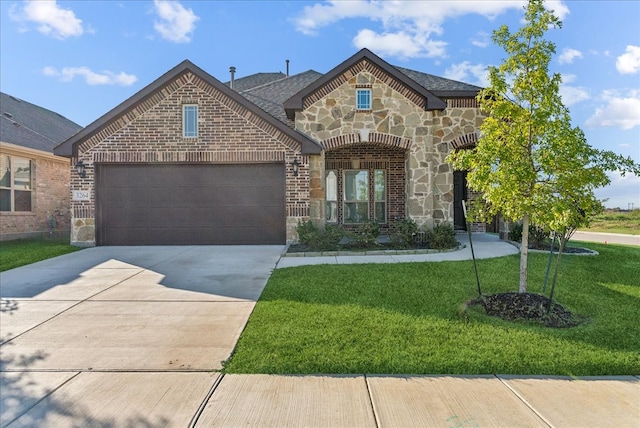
{"x": 190, "y": 120}
{"x": 363, "y": 99}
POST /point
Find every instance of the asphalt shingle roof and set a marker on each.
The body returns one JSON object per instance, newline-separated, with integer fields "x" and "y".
{"x": 271, "y": 96}
{"x": 436, "y": 83}
{"x": 269, "y": 91}
{"x": 28, "y": 125}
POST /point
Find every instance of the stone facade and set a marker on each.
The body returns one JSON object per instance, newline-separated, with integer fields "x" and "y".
{"x": 395, "y": 122}
{"x": 50, "y": 215}
{"x": 152, "y": 133}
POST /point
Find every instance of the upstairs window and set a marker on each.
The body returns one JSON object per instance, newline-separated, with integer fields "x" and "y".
{"x": 189, "y": 120}
{"x": 15, "y": 184}
{"x": 363, "y": 99}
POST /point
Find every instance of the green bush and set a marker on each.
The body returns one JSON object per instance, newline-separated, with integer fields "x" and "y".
{"x": 442, "y": 236}
{"x": 404, "y": 234}
{"x": 318, "y": 239}
{"x": 307, "y": 232}
{"x": 537, "y": 235}
{"x": 366, "y": 235}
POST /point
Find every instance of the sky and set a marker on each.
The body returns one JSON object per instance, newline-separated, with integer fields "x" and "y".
{"x": 83, "y": 58}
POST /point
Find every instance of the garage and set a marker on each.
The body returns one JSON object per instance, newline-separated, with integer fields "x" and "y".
{"x": 195, "y": 204}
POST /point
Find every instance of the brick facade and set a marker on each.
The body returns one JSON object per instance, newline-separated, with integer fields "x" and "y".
{"x": 50, "y": 197}
{"x": 152, "y": 133}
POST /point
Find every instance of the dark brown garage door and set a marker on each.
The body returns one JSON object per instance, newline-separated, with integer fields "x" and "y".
{"x": 190, "y": 204}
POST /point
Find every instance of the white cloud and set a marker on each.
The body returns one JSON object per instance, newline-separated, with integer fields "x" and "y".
{"x": 51, "y": 19}
{"x": 619, "y": 111}
{"x": 629, "y": 62}
{"x": 569, "y": 55}
{"x": 67, "y": 74}
{"x": 622, "y": 191}
{"x": 476, "y": 74}
{"x": 572, "y": 94}
{"x": 408, "y": 29}
{"x": 175, "y": 23}
{"x": 481, "y": 40}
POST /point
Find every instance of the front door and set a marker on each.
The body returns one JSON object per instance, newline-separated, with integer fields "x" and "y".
{"x": 459, "y": 195}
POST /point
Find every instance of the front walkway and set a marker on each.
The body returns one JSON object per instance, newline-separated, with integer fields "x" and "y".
{"x": 485, "y": 246}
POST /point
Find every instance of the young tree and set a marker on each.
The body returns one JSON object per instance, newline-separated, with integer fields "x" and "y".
{"x": 530, "y": 163}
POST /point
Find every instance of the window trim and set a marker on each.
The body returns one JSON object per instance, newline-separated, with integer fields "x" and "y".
{"x": 346, "y": 201}
{"x": 363, "y": 91}
{"x": 12, "y": 185}
{"x": 187, "y": 110}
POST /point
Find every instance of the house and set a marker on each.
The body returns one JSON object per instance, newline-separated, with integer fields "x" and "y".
{"x": 192, "y": 160}
{"x": 34, "y": 183}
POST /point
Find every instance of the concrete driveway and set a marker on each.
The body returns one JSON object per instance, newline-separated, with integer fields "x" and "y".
{"x": 142, "y": 311}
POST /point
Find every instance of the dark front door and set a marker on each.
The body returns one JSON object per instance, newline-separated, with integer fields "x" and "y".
{"x": 190, "y": 204}
{"x": 459, "y": 195}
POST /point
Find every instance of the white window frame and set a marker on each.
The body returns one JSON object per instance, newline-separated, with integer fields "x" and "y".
{"x": 363, "y": 91}
{"x": 346, "y": 201}
{"x": 13, "y": 188}
{"x": 189, "y": 123}
{"x": 331, "y": 200}
{"x": 382, "y": 200}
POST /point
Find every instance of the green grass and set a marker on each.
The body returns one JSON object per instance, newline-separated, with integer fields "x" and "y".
{"x": 410, "y": 318}
{"x": 617, "y": 222}
{"x": 22, "y": 252}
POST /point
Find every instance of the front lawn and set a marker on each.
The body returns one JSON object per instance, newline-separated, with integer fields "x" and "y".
{"x": 22, "y": 252}
{"x": 410, "y": 318}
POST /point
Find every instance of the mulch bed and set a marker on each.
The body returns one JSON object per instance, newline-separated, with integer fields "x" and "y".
{"x": 528, "y": 307}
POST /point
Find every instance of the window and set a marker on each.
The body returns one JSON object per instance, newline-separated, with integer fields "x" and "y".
{"x": 363, "y": 99}
{"x": 379, "y": 196}
{"x": 331, "y": 189}
{"x": 189, "y": 120}
{"x": 356, "y": 196}
{"x": 15, "y": 184}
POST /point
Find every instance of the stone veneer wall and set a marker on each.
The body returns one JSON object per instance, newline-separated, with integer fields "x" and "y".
{"x": 152, "y": 133}
{"x": 394, "y": 113}
{"x": 50, "y": 199}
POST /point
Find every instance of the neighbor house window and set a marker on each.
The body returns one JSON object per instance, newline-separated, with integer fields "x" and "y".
{"x": 189, "y": 120}
{"x": 331, "y": 192}
{"x": 379, "y": 196}
{"x": 15, "y": 184}
{"x": 363, "y": 99}
{"x": 356, "y": 196}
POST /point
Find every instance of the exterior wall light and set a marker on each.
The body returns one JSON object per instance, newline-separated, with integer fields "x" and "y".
{"x": 81, "y": 169}
{"x": 296, "y": 166}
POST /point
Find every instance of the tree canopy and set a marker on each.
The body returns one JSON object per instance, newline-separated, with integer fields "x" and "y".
{"x": 530, "y": 163}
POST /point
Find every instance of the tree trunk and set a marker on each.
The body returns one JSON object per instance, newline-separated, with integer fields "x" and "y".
{"x": 524, "y": 253}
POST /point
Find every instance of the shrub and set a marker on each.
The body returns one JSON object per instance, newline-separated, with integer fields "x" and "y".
{"x": 442, "y": 236}
{"x": 315, "y": 238}
{"x": 405, "y": 232}
{"x": 537, "y": 235}
{"x": 366, "y": 235}
{"x": 307, "y": 232}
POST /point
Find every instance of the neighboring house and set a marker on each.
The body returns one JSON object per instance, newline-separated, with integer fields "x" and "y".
{"x": 34, "y": 183}
{"x": 190, "y": 160}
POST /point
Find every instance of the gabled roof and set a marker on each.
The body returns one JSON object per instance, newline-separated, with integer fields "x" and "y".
{"x": 69, "y": 147}
{"x": 28, "y": 125}
{"x": 296, "y": 102}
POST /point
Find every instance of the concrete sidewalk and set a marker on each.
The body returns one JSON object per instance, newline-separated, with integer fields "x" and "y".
{"x": 205, "y": 399}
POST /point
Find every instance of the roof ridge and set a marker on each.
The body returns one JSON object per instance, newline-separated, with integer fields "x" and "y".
{"x": 275, "y": 81}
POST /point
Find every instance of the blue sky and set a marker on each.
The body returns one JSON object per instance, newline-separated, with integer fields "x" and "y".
{"x": 82, "y": 58}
